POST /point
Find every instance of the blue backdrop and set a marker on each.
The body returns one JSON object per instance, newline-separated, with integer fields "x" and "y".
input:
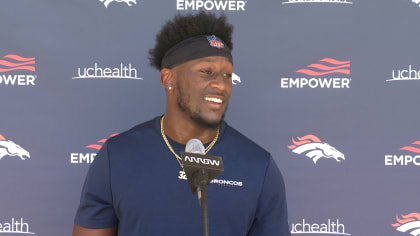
{"x": 329, "y": 87}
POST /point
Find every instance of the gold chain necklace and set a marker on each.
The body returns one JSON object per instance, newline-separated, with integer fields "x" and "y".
{"x": 178, "y": 158}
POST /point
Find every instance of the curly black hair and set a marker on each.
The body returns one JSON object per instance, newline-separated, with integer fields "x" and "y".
{"x": 186, "y": 26}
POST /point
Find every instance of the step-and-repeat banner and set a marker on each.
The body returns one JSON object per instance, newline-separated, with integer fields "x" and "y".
{"x": 329, "y": 87}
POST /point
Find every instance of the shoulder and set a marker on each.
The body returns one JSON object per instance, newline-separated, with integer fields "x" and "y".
{"x": 237, "y": 138}
{"x": 243, "y": 145}
{"x": 138, "y": 134}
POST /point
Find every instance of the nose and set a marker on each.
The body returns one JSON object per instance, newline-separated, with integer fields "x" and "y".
{"x": 219, "y": 81}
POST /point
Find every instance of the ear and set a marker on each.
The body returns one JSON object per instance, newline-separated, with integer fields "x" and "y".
{"x": 167, "y": 78}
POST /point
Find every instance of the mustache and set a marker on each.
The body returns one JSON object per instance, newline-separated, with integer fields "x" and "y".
{"x": 217, "y": 94}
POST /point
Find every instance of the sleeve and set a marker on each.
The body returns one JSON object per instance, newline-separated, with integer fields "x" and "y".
{"x": 271, "y": 214}
{"x": 96, "y": 210}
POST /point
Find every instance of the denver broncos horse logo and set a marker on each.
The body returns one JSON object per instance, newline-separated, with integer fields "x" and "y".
{"x": 107, "y": 2}
{"x": 408, "y": 223}
{"x": 315, "y": 149}
{"x": 9, "y": 148}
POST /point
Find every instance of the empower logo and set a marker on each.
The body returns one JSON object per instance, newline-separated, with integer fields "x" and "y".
{"x": 312, "y": 147}
{"x": 13, "y": 65}
{"x": 415, "y": 148}
{"x": 210, "y": 5}
{"x": 129, "y": 2}
{"x": 9, "y": 148}
{"x": 88, "y": 157}
{"x": 404, "y": 160}
{"x": 100, "y": 143}
{"x": 13, "y": 62}
{"x": 409, "y": 223}
{"x": 323, "y": 67}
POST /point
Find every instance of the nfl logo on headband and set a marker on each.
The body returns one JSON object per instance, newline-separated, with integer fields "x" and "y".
{"x": 215, "y": 41}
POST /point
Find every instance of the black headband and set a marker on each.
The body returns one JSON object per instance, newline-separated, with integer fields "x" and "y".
{"x": 194, "y": 48}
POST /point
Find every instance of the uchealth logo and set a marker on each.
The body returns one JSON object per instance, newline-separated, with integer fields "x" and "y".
{"x": 129, "y": 2}
{"x": 413, "y": 158}
{"x": 329, "y": 227}
{"x": 16, "y": 70}
{"x": 408, "y": 74}
{"x": 312, "y": 147}
{"x": 125, "y": 72}
{"x": 318, "y": 1}
{"x": 15, "y": 226}
{"x": 88, "y": 157}
{"x": 319, "y": 75}
{"x": 10, "y": 148}
{"x": 211, "y": 5}
{"x": 409, "y": 224}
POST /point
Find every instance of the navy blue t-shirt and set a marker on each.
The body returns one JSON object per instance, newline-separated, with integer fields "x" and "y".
{"x": 135, "y": 183}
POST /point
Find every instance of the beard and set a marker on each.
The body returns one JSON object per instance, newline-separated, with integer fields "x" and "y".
{"x": 182, "y": 102}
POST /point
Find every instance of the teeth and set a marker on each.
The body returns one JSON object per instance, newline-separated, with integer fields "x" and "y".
{"x": 215, "y": 100}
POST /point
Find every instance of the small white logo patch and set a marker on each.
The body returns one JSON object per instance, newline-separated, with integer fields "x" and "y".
{"x": 129, "y": 2}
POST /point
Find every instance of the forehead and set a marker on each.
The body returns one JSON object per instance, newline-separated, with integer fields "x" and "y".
{"x": 216, "y": 60}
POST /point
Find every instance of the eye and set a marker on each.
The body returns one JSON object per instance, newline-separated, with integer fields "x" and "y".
{"x": 227, "y": 75}
{"x": 206, "y": 71}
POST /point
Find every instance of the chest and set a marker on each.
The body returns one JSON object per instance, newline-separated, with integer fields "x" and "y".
{"x": 146, "y": 193}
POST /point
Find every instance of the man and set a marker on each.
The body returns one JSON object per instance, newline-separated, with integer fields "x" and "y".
{"x": 136, "y": 185}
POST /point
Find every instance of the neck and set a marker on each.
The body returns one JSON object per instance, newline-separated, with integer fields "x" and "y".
{"x": 183, "y": 129}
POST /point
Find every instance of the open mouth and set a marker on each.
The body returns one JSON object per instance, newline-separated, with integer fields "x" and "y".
{"x": 213, "y": 100}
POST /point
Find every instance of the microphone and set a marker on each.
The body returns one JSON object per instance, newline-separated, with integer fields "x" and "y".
{"x": 200, "y": 170}
{"x": 195, "y": 146}
{"x": 199, "y": 167}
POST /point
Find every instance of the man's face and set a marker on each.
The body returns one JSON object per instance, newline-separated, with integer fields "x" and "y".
{"x": 203, "y": 88}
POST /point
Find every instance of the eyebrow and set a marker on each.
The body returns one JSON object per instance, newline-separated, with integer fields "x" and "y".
{"x": 206, "y": 60}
